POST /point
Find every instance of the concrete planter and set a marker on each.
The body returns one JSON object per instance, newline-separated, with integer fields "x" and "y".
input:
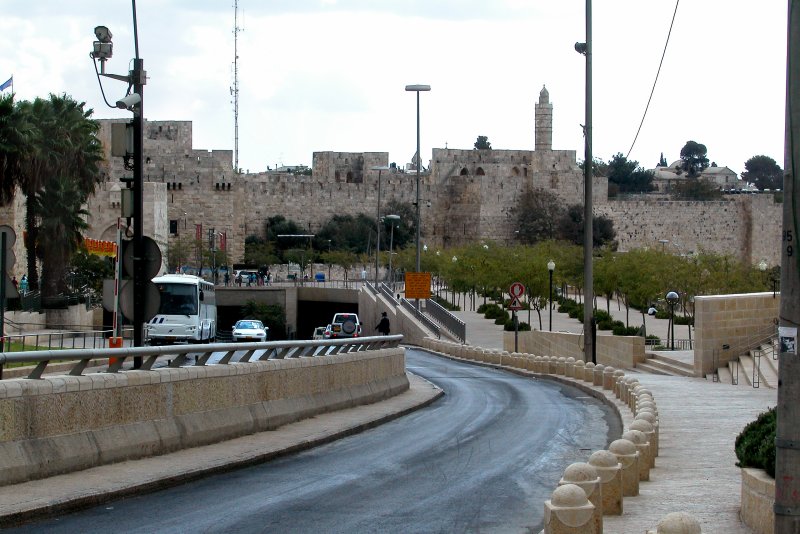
{"x": 758, "y": 497}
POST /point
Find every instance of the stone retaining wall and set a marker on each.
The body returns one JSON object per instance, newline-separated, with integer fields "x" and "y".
{"x": 622, "y": 352}
{"x": 758, "y": 498}
{"x": 68, "y": 423}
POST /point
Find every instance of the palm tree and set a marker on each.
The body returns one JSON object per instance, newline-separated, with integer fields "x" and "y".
{"x": 12, "y": 139}
{"x": 59, "y": 206}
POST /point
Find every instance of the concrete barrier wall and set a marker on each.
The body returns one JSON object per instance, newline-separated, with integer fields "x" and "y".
{"x": 732, "y": 320}
{"x": 370, "y": 307}
{"x": 758, "y": 498}
{"x": 621, "y": 352}
{"x": 65, "y": 423}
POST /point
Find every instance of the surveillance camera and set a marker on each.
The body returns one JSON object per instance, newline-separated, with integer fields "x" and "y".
{"x": 581, "y": 48}
{"x": 129, "y": 101}
{"x": 103, "y": 34}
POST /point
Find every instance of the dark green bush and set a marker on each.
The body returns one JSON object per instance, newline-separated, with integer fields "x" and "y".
{"x": 602, "y": 316}
{"x": 522, "y": 327}
{"x": 661, "y": 314}
{"x": 493, "y": 311}
{"x": 444, "y": 303}
{"x": 482, "y": 308}
{"x": 656, "y": 339}
{"x": 684, "y": 320}
{"x": 502, "y": 319}
{"x": 622, "y": 330}
{"x": 755, "y": 446}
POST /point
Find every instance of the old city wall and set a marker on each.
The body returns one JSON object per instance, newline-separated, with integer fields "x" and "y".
{"x": 745, "y": 226}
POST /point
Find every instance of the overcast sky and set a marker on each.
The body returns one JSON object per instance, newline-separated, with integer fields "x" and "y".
{"x": 319, "y": 75}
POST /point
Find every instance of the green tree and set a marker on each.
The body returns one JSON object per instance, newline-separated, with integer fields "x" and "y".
{"x": 483, "y": 143}
{"x": 179, "y": 252}
{"x": 13, "y": 143}
{"x": 695, "y": 189}
{"x": 764, "y": 172}
{"x": 59, "y": 207}
{"x": 538, "y": 214}
{"x": 89, "y": 271}
{"x": 694, "y": 158}
{"x": 272, "y": 315}
{"x": 570, "y": 228}
{"x": 626, "y": 176}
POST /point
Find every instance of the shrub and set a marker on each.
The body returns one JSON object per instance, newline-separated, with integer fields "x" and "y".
{"x": 684, "y": 320}
{"x": 444, "y": 303}
{"x": 755, "y": 446}
{"x": 605, "y": 325}
{"x": 521, "y": 327}
{"x": 502, "y": 319}
{"x": 602, "y": 316}
{"x": 654, "y": 340}
{"x": 622, "y": 330}
{"x": 661, "y": 314}
{"x": 482, "y": 308}
{"x": 493, "y": 311}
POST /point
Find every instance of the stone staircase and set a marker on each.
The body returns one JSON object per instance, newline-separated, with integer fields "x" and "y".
{"x": 661, "y": 364}
{"x": 758, "y": 368}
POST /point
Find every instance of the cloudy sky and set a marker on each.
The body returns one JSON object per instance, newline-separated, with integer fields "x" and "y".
{"x": 320, "y": 75}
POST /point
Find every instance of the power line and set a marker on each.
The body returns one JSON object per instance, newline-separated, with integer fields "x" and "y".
{"x": 664, "y": 53}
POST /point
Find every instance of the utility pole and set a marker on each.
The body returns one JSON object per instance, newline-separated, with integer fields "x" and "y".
{"x": 787, "y": 439}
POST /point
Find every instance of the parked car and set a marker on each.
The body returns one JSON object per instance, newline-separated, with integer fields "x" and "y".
{"x": 319, "y": 332}
{"x": 345, "y": 325}
{"x": 250, "y": 330}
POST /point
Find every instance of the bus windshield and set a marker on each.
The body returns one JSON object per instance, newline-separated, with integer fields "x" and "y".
{"x": 177, "y": 299}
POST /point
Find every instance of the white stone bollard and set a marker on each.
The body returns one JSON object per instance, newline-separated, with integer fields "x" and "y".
{"x": 570, "y": 370}
{"x": 619, "y": 375}
{"x": 677, "y": 523}
{"x": 578, "y": 372}
{"x": 585, "y": 476}
{"x": 588, "y": 372}
{"x": 643, "y": 446}
{"x": 568, "y": 511}
{"x": 647, "y": 429}
{"x": 597, "y": 379}
{"x": 628, "y": 456}
{"x": 610, "y": 472}
{"x": 630, "y": 383}
{"x": 608, "y": 378}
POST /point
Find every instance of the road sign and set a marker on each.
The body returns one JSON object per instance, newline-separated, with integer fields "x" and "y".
{"x": 418, "y": 285}
{"x": 517, "y": 290}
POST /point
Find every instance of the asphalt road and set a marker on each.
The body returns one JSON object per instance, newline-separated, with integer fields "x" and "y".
{"x": 483, "y": 458}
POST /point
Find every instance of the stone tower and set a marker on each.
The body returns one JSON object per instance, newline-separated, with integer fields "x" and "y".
{"x": 544, "y": 121}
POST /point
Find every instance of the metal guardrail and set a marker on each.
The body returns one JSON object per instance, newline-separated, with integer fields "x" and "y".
{"x": 387, "y": 292}
{"x": 179, "y": 354}
{"x": 450, "y": 322}
{"x": 76, "y": 339}
{"x": 424, "y": 319}
{"x": 371, "y": 288}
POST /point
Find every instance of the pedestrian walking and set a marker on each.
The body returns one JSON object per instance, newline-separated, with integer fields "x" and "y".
{"x": 383, "y": 326}
{"x": 23, "y": 284}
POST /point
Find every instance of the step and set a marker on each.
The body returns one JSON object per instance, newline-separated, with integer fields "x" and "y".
{"x": 647, "y": 367}
{"x": 677, "y": 366}
{"x": 768, "y": 375}
{"x": 744, "y": 378}
{"x": 724, "y": 375}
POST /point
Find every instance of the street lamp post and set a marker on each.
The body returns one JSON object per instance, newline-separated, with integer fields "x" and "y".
{"x": 551, "y": 266}
{"x": 672, "y": 300}
{"x": 417, "y": 88}
{"x": 136, "y": 78}
{"x": 378, "y": 221}
{"x": 392, "y": 218}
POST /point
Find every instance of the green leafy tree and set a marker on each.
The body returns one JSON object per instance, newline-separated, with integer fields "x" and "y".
{"x": 258, "y": 252}
{"x": 483, "y": 143}
{"x": 662, "y": 161}
{"x": 627, "y": 176}
{"x": 180, "y": 251}
{"x": 346, "y": 232}
{"x": 694, "y": 158}
{"x": 570, "y": 228}
{"x": 59, "y": 207}
{"x": 89, "y": 271}
{"x": 13, "y": 144}
{"x": 272, "y": 315}
{"x": 764, "y": 172}
{"x": 538, "y": 214}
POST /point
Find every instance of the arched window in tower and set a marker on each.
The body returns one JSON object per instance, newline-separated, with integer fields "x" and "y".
{"x": 464, "y": 172}
{"x": 480, "y": 172}
{"x": 337, "y": 176}
{"x": 349, "y": 177}
{"x": 515, "y": 171}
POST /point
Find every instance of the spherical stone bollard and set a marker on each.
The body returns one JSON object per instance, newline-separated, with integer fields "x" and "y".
{"x": 585, "y": 476}
{"x": 588, "y": 372}
{"x": 577, "y": 371}
{"x": 647, "y": 429}
{"x": 561, "y": 366}
{"x": 677, "y": 523}
{"x": 597, "y": 379}
{"x": 650, "y": 417}
{"x": 628, "y": 456}
{"x": 537, "y": 364}
{"x": 568, "y": 511}
{"x": 546, "y": 365}
{"x": 608, "y": 378}
{"x": 552, "y": 362}
{"x": 619, "y": 375}
{"x": 647, "y": 405}
{"x": 643, "y": 446}
{"x": 640, "y": 400}
{"x": 505, "y": 357}
{"x": 570, "y": 369}
{"x": 530, "y": 360}
{"x": 610, "y": 472}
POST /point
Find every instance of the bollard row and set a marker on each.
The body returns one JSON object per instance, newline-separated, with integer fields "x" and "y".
{"x": 588, "y": 491}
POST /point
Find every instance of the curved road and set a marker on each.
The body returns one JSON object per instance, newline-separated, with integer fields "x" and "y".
{"x": 483, "y": 458}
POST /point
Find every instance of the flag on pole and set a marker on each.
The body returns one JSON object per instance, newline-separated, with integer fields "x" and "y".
{"x": 8, "y": 83}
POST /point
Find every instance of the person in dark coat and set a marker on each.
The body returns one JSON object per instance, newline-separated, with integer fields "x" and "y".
{"x": 383, "y": 326}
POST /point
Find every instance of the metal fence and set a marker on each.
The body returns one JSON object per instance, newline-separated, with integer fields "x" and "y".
{"x": 58, "y": 340}
{"x": 387, "y": 292}
{"x": 450, "y": 322}
{"x": 424, "y": 319}
{"x": 195, "y": 355}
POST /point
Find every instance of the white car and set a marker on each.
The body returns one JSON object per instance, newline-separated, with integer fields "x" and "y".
{"x": 319, "y": 332}
{"x": 250, "y": 330}
{"x": 345, "y": 325}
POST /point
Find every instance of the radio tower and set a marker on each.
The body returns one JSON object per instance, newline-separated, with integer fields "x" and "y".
{"x": 235, "y": 88}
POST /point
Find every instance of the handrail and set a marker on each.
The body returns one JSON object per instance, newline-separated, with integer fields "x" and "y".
{"x": 450, "y": 322}
{"x": 388, "y": 293}
{"x": 202, "y": 353}
{"x": 371, "y": 287}
{"x": 58, "y": 339}
{"x": 424, "y": 319}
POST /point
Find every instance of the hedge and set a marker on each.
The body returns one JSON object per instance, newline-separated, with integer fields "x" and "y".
{"x": 755, "y": 446}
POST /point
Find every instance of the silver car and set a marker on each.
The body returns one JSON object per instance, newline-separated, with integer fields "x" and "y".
{"x": 250, "y": 330}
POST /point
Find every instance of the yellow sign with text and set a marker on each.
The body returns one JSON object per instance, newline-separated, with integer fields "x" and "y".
{"x": 418, "y": 285}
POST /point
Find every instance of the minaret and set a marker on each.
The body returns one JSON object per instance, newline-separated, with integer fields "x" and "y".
{"x": 544, "y": 121}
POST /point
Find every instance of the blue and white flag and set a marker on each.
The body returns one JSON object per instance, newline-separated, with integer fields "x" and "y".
{"x": 8, "y": 83}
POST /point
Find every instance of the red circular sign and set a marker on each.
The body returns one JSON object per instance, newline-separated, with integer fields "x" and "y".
{"x": 517, "y": 290}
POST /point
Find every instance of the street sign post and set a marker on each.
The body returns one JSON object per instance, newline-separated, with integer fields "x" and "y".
{"x": 517, "y": 290}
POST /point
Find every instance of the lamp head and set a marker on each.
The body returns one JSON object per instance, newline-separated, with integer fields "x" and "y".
{"x": 103, "y": 34}
{"x": 762, "y": 265}
{"x": 672, "y": 297}
{"x": 418, "y": 87}
{"x": 551, "y": 266}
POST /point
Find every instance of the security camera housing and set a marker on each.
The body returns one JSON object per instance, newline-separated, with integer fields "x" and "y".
{"x": 129, "y": 101}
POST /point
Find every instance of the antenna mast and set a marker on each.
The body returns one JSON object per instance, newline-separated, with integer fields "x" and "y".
{"x": 235, "y": 88}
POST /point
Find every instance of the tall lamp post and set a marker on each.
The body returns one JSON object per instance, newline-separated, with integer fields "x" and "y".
{"x": 136, "y": 78}
{"x": 378, "y": 221}
{"x": 551, "y": 266}
{"x": 672, "y": 300}
{"x": 391, "y": 218}
{"x": 417, "y": 88}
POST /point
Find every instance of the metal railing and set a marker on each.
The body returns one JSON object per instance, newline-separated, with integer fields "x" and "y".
{"x": 387, "y": 292}
{"x": 424, "y": 319}
{"x": 179, "y": 355}
{"x": 59, "y": 340}
{"x": 371, "y": 288}
{"x": 450, "y": 322}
